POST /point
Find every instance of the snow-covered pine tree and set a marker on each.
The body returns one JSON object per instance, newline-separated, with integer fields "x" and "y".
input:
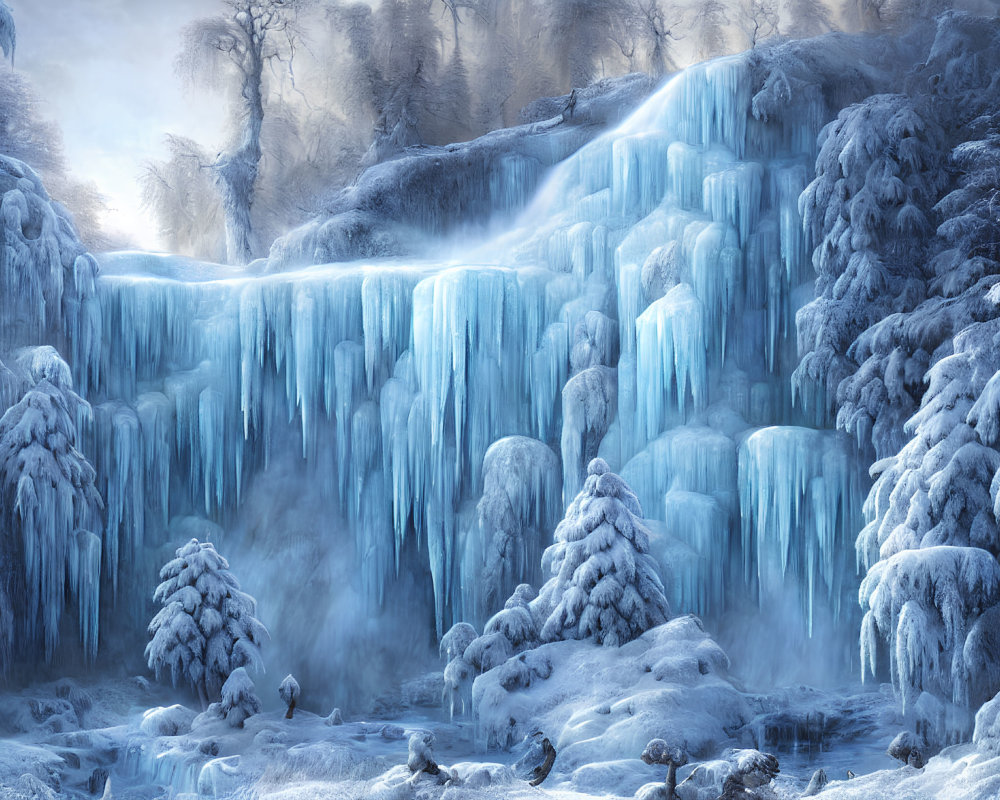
{"x": 50, "y": 509}
{"x": 932, "y": 590}
{"x": 922, "y": 382}
{"x": 207, "y": 627}
{"x": 604, "y": 584}
{"x": 878, "y": 175}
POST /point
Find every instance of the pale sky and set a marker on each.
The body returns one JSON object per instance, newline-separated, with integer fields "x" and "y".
{"x": 105, "y": 70}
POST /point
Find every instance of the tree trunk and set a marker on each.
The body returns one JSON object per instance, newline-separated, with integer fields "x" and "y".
{"x": 236, "y": 171}
{"x": 542, "y": 771}
{"x": 671, "y": 780}
{"x": 291, "y": 709}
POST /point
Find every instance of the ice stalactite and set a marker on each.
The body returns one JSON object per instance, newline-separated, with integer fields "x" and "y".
{"x": 702, "y": 523}
{"x": 671, "y": 358}
{"x": 800, "y": 501}
{"x": 641, "y": 307}
{"x": 520, "y": 506}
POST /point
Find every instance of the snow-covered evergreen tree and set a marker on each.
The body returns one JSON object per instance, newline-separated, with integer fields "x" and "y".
{"x": 207, "y": 627}
{"x": 239, "y": 699}
{"x": 604, "y": 583}
{"x": 51, "y": 509}
{"x": 914, "y": 366}
{"x": 878, "y": 174}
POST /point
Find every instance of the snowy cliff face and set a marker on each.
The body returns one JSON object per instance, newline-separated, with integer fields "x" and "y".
{"x": 337, "y": 420}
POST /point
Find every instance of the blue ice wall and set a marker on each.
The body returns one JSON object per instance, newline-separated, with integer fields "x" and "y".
{"x": 642, "y": 307}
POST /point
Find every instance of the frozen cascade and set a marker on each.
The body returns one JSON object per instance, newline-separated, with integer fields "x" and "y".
{"x": 388, "y": 382}
{"x": 800, "y": 503}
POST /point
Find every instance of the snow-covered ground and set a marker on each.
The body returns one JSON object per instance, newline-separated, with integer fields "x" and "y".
{"x": 67, "y": 738}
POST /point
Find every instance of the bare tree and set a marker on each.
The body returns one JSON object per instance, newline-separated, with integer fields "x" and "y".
{"x": 710, "y": 25}
{"x": 644, "y": 33}
{"x": 181, "y": 195}
{"x": 759, "y": 20}
{"x": 805, "y": 18}
{"x": 249, "y": 36}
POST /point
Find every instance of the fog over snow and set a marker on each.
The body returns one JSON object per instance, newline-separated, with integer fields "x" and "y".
{"x": 105, "y": 70}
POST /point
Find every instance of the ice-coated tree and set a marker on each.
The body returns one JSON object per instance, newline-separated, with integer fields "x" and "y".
{"x": 868, "y": 211}
{"x": 921, "y": 381}
{"x": 932, "y": 591}
{"x": 395, "y": 57}
{"x": 288, "y": 691}
{"x": 604, "y": 583}
{"x": 239, "y": 698}
{"x": 207, "y": 627}
{"x": 245, "y": 40}
{"x": 8, "y": 33}
{"x": 804, "y": 18}
{"x": 51, "y": 508}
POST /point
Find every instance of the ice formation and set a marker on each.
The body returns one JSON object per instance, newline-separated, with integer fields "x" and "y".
{"x": 641, "y": 309}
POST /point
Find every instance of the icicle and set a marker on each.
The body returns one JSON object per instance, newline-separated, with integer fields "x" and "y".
{"x": 800, "y": 498}
{"x": 671, "y": 357}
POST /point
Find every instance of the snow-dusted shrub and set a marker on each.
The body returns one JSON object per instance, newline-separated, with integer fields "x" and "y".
{"x": 207, "y": 627}
{"x": 516, "y": 621}
{"x": 453, "y": 643}
{"x": 288, "y": 691}
{"x": 488, "y": 651}
{"x": 604, "y": 584}
{"x": 458, "y": 673}
{"x": 239, "y": 698}
{"x": 51, "y": 508}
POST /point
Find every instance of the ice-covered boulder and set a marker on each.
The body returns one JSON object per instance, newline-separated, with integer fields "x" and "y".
{"x": 987, "y": 731}
{"x": 172, "y": 720}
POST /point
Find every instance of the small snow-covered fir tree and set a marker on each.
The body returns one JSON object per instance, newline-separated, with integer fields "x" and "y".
{"x": 239, "y": 698}
{"x": 604, "y": 584}
{"x": 207, "y": 627}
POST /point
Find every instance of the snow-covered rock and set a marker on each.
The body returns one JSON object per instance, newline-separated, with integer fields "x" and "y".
{"x": 599, "y": 703}
{"x": 173, "y": 720}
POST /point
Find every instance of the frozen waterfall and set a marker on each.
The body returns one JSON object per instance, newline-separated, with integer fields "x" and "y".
{"x": 642, "y": 306}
